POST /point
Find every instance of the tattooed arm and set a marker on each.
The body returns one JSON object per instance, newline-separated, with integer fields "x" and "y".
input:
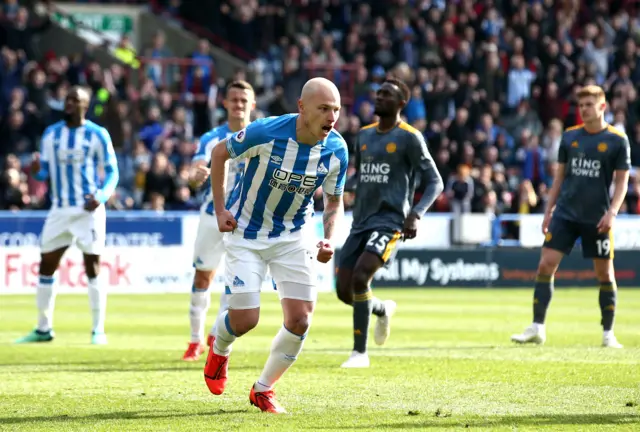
{"x": 333, "y": 212}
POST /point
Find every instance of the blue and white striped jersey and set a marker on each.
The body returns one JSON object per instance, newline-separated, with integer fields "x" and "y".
{"x": 72, "y": 158}
{"x": 236, "y": 168}
{"x": 276, "y": 195}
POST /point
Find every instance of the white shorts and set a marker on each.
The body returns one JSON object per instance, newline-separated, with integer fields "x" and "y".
{"x": 209, "y": 247}
{"x": 66, "y": 226}
{"x": 291, "y": 260}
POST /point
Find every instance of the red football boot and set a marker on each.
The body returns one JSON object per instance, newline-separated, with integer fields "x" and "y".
{"x": 215, "y": 372}
{"x": 266, "y": 401}
{"x": 194, "y": 351}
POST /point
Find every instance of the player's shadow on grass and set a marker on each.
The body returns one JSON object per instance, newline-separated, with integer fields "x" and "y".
{"x": 97, "y": 366}
{"x": 412, "y": 348}
{"x": 82, "y": 363}
{"x": 430, "y": 420}
{"x": 128, "y": 368}
{"x": 122, "y": 415}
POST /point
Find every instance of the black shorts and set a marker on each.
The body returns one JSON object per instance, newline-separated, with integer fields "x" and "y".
{"x": 562, "y": 235}
{"x": 381, "y": 242}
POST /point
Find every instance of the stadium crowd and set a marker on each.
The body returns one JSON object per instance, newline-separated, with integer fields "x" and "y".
{"x": 493, "y": 87}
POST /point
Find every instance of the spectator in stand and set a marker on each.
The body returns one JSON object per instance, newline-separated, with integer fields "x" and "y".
{"x": 162, "y": 74}
{"x": 460, "y": 190}
{"x": 152, "y": 129}
{"x": 14, "y": 191}
{"x": 493, "y": 85}
{"x": 19, "y": 30}
{"x": 159, "y": 178}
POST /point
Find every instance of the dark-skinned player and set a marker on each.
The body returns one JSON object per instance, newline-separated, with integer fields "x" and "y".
{"x": 390, "y": 157}
{"x": 74, "y": 152}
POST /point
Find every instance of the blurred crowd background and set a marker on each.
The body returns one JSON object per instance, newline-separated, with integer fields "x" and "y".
{"x": 493, "y": 87}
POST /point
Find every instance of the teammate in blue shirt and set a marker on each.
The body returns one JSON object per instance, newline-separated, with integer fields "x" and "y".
{"x": 288, "y": 158}
{"x": 74, "y": 152}
{"x": 209, "y": 248}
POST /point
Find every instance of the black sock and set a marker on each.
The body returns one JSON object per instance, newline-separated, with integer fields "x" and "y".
{"x": 607, "y": 299}
{"x": 377, "y": 307}
{"x": 542, "y": 297}
{"x": 362, "y": 303}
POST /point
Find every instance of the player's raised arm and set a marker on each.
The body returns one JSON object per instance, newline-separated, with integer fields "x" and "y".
{"x": 423, "y": 163}
{"x": 108, "y": 162}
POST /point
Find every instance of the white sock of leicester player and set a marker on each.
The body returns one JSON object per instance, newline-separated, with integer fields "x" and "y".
{"x": 200, "y": 302}
{"x": 97, "y": 303}
{"x": 45, "y": 300}
{"x": 284, "y": 351}
{"x": 221, "y": 310}
{"x": 224, "y": 335}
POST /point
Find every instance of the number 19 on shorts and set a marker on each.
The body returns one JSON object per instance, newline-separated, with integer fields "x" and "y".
{"x": 603, "y": 247}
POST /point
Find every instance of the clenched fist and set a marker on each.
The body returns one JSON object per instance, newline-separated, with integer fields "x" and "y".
{"x": 325, "y": 251}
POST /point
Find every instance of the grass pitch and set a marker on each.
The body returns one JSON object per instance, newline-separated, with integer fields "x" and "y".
{"x": 448, "y": 364}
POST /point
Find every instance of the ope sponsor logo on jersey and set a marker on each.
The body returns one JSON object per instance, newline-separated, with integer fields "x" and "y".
{"x": 284, "y": 181}
{"x": 371, "y": 172}
{"x": 583, "y": 167}
{"x": 71, "y": 156}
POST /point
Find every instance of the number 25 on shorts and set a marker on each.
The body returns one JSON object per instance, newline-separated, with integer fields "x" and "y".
{"x": 379, "y": 242}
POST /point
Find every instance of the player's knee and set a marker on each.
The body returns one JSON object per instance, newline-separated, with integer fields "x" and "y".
{"x": 343, "y": 291}
{"x": 345, "y": 296}
{"x": 547, "y": 265}
{"x": 202, "y": 280}
{"x": 298, "y": 324}
{"x": 545, "y": 268}
{"x": 46, "y": 268}
{"x": 92, "y": 266}
{"x": 244, "y": 326}
{"x": 242, "y": 321}
{"x": 49, "y": 263}
{"x": 360, "y": 280}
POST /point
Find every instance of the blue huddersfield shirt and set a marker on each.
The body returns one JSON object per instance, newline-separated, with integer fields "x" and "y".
{"x": 276, "y": 193}
{"x": 72, "y": 158}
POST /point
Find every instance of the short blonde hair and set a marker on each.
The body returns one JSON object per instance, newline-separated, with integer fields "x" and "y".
{"x": 241, "y": 85}
{"x": 592, "y": 90}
